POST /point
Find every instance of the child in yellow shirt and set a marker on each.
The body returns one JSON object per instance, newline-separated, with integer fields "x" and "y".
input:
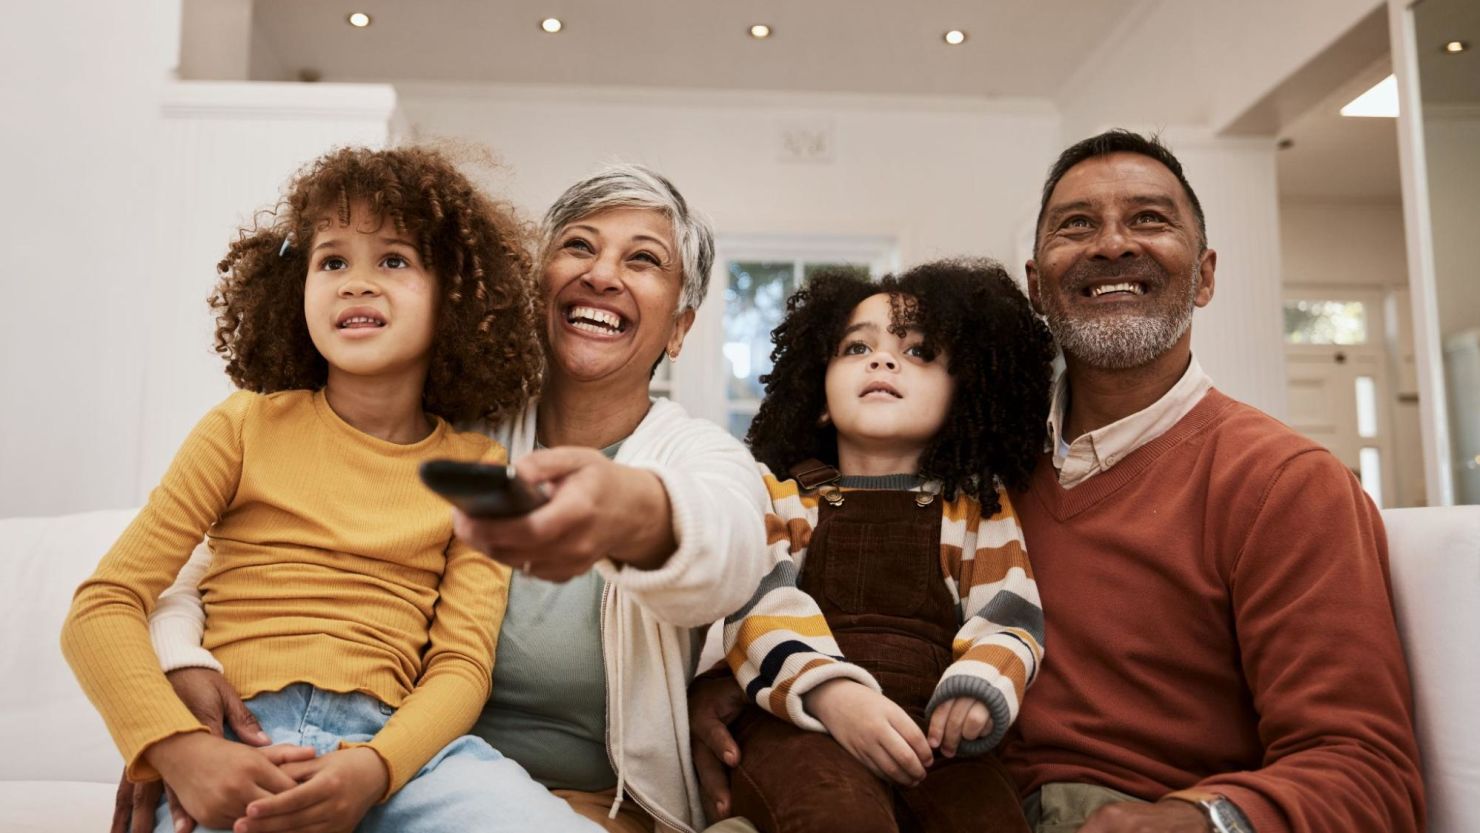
{"x": 383, "y": 299}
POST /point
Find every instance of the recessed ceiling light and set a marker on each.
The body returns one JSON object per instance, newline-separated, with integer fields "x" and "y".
{"x": 359, "y": 20}
{"x": 955, "y": 37}
{"x": 1455, "y": 47}
{"x": 1379, "y": 102}
{"x": 760, "y": 31}
{"x": 551, "y": 25}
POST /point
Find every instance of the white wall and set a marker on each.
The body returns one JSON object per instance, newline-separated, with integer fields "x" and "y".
{"x": 1452, "y": 139}
{"x": 1343, "y": 243}
{"x": 79, "y": 142}
{"x": 1237, "y": 338}
{"x": 1201, "y": 62}
{"x": 122, "y": 191}
{"x": 942, "y": 176}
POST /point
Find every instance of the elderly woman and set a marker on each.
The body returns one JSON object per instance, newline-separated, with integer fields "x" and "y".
{"x": 590, "y": 675}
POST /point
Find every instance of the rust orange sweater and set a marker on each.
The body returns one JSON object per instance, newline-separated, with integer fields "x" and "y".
{"x": 1220, "y": 617}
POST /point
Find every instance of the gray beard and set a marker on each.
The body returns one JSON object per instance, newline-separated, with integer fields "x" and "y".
{"x": 1120, "y": 342}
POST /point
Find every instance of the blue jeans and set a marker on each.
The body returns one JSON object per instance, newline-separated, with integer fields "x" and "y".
{"x": 466, "y": 786}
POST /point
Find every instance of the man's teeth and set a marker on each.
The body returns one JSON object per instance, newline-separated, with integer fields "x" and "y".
{"x": 1104, "y": 289}
{"x": 594, "y": 320}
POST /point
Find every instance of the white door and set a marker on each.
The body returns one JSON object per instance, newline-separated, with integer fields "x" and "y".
{"x": 1338, "y": 380}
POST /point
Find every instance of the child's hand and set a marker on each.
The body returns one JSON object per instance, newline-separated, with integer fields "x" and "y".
{"x": 873, "y": 729}
{"x": 958, "y": 719}
{"x": 216, "y": 779}
{"x": 333, "y": 794}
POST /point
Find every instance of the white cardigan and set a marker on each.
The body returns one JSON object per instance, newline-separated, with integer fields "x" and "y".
{"x": 652, "y": 621}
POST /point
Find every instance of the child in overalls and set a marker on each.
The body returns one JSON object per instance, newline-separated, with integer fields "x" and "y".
{"x": 888, "y": 650}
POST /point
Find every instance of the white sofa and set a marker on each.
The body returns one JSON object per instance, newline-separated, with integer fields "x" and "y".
{"x": 58, "y": 769}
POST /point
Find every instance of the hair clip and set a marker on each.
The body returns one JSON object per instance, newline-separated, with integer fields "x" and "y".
{"x": 287, "y": 243}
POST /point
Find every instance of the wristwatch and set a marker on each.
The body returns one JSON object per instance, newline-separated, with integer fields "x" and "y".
{"x": 1224, "y": 815}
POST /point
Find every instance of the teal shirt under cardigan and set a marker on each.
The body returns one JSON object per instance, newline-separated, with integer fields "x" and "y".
{"x": 548, "y": 708}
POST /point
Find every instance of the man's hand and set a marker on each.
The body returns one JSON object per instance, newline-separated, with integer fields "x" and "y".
{"x": 874, "y": 730}
{"x": 597, "y": 509}
{"x": 1165, "y": 817}
{"x": 958, "y": 719}
{"x": 714, "y": 702}
{"x": 213, "y": 702}
{"x": 216, "y": 779}
{"x": 216, "y": 704}
{"x": 333, "y": 794}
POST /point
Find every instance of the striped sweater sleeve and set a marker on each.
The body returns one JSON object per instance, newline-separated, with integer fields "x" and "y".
{"x": 999, "y": 648}
{"x": 779, "y": 645}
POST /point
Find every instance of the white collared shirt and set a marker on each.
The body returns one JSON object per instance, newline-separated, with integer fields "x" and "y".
{"x": 1092, "y": 453}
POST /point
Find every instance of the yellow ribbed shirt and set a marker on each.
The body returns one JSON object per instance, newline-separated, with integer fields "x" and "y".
{"x": 332, "y": 565}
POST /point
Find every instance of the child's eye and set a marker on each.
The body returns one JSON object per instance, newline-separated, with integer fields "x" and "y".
{"x": 918, "y": 351}
{"x": 396, "y": 262}
{"x": 333, "y": 263}
{"x": 854, "y": 348}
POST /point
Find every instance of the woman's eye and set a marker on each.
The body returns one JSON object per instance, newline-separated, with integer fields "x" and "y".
{"x": 577, "y": 244}
{"x": 648, "y": 257}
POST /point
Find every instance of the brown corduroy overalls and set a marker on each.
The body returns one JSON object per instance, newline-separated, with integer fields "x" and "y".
{"x": 874, "y": 567}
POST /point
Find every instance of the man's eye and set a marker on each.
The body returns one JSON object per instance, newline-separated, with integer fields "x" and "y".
{"x": 1149, "y": 217}
{"x": 1076, "y": 223}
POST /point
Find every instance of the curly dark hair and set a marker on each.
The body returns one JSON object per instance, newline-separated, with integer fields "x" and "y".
{"x": 486, "y": 355}
{"x": 1000, "y": 356}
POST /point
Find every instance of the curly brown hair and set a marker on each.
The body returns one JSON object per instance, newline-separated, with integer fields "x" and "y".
{"x": 1000, "y": 356}
{"x": 486, "y": 358}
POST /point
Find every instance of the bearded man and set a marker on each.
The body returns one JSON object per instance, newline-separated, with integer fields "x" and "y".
{"x": 1222, "y": 653}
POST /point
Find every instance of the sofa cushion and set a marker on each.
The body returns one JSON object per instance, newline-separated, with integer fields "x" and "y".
{"x": 1435, "y": 556}
{"x": 51, "y": 731}
{"x": 55, "y": 806}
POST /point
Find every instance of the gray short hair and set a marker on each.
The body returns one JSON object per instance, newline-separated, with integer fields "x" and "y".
{"x": 634, "y": 186}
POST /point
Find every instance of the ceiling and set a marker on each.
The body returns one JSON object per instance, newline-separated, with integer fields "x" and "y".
{"x": 1335, "y": 157}
{"x": 1015, "y": 48}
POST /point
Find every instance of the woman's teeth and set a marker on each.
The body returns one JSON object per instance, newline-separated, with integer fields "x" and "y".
{"x": 594, "y": 320}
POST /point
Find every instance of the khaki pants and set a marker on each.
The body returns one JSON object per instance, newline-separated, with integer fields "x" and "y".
{"x": 595, "y": 806}
{"x": 1057, "y": 808}
{"x": 1063, "y": 808}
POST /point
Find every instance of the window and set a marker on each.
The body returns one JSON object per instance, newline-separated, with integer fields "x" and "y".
{"x": 1325, "y": 322}
{"x": 729, "y": 349}
{"x": 755, "y": 300}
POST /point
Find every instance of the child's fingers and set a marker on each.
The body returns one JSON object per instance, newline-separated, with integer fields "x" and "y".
{"x": 913, "y": 737}
{"x": 283, "y": 753}
{"x": 938, "y": 724}
{"x": 293, "y": 800}
{"x": 978, "y": 719}
{"x": 907, "y": 768}
{"x": 952, "y": 739}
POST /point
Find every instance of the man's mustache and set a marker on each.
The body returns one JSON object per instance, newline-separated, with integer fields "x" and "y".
{"x": 1139, "y": 269}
